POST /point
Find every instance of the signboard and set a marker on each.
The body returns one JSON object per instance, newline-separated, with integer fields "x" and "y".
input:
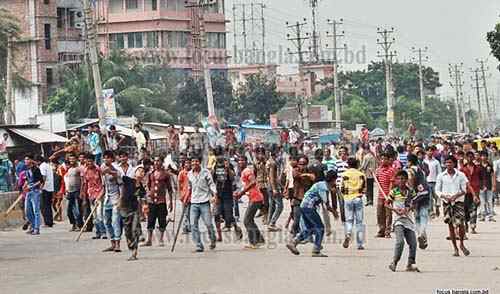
{"x": 273, "y": 118}
{"x": 109, "y": 106}
{"x": 52, "y": 122}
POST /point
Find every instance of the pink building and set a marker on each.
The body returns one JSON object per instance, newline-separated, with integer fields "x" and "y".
{"x": 161, "y": 31}
{"x": 50, "y": 38}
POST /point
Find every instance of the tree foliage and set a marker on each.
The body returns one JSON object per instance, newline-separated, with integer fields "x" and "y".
{"x": 493, "y": 38}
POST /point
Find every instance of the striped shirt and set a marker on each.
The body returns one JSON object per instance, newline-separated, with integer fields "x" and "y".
{"x": 341, "y": 166}
{"x": 385, "y": 176}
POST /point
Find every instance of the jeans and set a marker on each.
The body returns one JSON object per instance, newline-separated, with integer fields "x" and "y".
{"x": 486, "y": 203}
{"x": 46, "y": 207}
{"x": 254, "y": 235}
{"x": 100, "y": 228}
{"x": 265, "y": 205}
{"x": 275, "y": 208}
{"x": 422, "y": 219}
{"x": 73, "y": 212}
{"x": 32, "y": 206}
{"x": 434, "y": 200}
{"x": 113, "y": 222}
{"x": 186, "y": 226}
{"x": 202, "y": 210}
{"x": 157, "y": 212}
{"x": 236, "y": 208}
{"x": 403, "y": 234}
{"x": 384, "y": 218}
{"x": 354, "y": 214}
{"x": 314, "y": 226}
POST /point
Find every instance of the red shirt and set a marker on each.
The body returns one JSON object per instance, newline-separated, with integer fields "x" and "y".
{"x": 93, "y": 182}
{"x": 385, "y": 176}
{"x": 184, "y": 186}
{"x": 473, "y": 175}
{"x": 254, "y": 194}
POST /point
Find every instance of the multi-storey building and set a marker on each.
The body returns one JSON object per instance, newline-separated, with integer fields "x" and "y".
{"x": 49, "y": 38}
{"x": 165, "y": 32}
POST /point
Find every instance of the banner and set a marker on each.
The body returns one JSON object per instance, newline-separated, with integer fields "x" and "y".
{"x": 273, "y": 118}
{"x": 110, "y": 116}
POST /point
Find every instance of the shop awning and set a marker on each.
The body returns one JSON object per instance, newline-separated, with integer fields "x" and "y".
{"x": 38, "y": 136}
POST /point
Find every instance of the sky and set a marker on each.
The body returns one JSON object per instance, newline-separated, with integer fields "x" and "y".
{"x": 453, "y": 30}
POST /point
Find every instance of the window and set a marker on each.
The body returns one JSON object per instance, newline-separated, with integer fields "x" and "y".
{"x": 46, "y": 1}
{"x": 71, "y": 18}
{"x": 175, "y": 39}
{"x": 154, "y": 4}
{"x": 216, "y": 40}
{"x": 47, "y": 36}
{"x": 176, "y": 5}
{"x": 49, "y": 72}
{"x": 132, "y": 4}
{"x": 152, "y": 39}
{"x": 135, "y": 40}
{"x": 117, "y": 41}
{"x": 60, "y": 17}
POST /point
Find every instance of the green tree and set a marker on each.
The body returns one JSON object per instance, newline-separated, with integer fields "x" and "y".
{"x": 9, "y": 30}
{"x": 257, "y": 98}
{"x": 493, "y": 38}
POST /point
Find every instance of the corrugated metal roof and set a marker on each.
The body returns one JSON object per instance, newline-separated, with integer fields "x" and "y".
{"x": 38, "y": 136}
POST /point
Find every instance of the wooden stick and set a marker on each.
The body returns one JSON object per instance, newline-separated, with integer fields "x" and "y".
{"x": 14, "y": 205}
{"x": 86, "y": 223}
{"x": 178, "y": 228}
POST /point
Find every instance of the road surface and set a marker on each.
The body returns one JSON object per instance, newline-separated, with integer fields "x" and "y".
{"x": 54, "y": 263}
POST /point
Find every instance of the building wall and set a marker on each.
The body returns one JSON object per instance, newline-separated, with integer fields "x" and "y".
{"x": 160, "y": 30}
{"x": 37, "y": 58}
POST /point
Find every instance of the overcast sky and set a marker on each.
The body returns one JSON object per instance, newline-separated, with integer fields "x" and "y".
{"x": 454, "y": 30}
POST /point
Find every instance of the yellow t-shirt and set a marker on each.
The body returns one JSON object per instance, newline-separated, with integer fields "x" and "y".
{"x": 352, "y": 184}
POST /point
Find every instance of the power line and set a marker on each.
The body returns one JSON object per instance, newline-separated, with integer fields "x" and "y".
{"x": 476, "y": 86}
{"x": 456, "y": 74}
{"x": 297, "y": 37}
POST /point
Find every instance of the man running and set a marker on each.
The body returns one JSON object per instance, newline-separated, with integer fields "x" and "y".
{"x": 313, "y": 198}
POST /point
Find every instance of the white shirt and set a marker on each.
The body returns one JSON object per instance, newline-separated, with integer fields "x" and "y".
{"x": 447, "y": 184}
{"x": 130, "y": 172}
{"x": 183, "y": 141}
{"x": 48, "y": 175}
{"x": 434, "y": 169}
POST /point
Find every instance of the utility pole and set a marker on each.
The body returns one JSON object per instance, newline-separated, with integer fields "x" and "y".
{"x": 200, "y": 42}
{"x": 9, "y": 105}
{"x": 386, "y": 43}
{"x": 315, "y": 37}
{"x": 235, "y": 36}
{"x": 255, "y": 21}
{"x": 456, "y": 77}
{"x": 91, "y": 34}
{"x": 335, "y": 35}
{"x": 483, "y": 70}
{"x": 298, "y": 39}
{"x": 421, "y": 59}
{"x": 476, "y": 86}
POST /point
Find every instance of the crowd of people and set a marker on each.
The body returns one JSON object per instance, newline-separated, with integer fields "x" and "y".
{"x": 112, "y": 194}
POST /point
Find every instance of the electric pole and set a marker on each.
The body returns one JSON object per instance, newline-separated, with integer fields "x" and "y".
{"x": 200, "y": 42}
{"x": 483, "y": 70}
{"x": 336, "y": 35}
{"x": 315, "y": 37}
{"x": 255, "y": 20}
{"x": 421, "y": 59}
{"x": 9, "y": 105}
{"x": 386, "y": 43}
{"x": 476, "y": 86}
{"x": 91, "y": 38}
{"x": 456, "y": 82}
{"x": 298, "y": 38}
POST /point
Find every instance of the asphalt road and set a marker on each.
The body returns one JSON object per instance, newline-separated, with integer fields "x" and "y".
{"x": 54, "y": 263}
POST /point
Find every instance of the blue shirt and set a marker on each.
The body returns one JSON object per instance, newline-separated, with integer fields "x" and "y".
{"x": 316, "y": 195}
{"x": 95, "y": 143}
